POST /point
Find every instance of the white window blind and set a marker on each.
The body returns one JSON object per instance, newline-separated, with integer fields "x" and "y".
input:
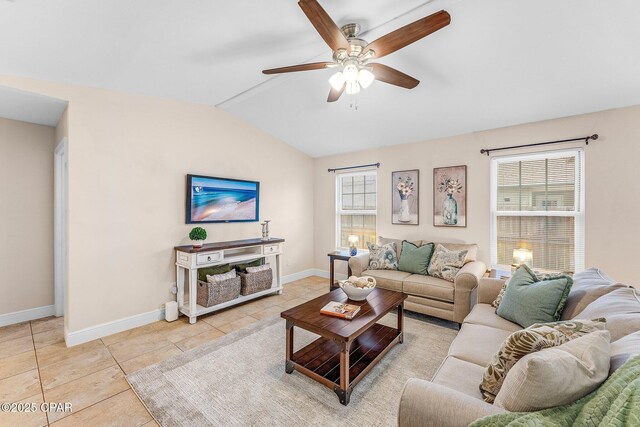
{"x": 538, "y": 204}
{"x": 356, "y": 208}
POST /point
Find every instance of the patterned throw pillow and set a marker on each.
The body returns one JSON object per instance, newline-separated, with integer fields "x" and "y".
{"x": 445, "y": 264}
{"x": 217, "y": 278}
{"x": 383, "y": 257}
{"x": 534, "y": 338}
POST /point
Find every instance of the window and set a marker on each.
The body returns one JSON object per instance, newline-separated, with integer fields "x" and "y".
{"x": 356, "y": 207}
{"x": 537, "y": 203}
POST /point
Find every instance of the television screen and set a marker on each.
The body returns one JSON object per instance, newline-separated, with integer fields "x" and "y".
{"x": 212, "y": 199}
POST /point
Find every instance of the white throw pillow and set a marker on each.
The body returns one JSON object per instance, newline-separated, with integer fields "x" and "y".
{"x": 217, "y": 278}
{"x": 258, "y": 268}
{"x": 558, "y": 375}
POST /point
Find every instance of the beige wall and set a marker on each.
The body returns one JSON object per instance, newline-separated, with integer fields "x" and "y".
{"x": 26, "y": 215}
{"x": 612, "y": 186}
{"x": 128, "y": 157}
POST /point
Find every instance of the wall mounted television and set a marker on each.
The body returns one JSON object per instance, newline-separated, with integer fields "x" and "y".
{"x": 211, "y": 199}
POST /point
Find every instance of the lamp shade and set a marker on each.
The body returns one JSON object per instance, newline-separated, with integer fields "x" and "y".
{"x": 365, "y": 78}
{"x": 353, "y": 240}
{"x": 522, "y": 256}
{"x": 350, "y": 73}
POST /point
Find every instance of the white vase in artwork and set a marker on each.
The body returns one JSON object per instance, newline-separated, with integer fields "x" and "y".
{"x": 404, "y": 211}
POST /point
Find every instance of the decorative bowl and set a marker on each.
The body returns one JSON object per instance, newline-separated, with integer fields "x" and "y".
{"x": 358, "y": 288}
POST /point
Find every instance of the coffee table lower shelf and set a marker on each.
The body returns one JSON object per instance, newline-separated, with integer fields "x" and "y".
{"x": 321, "y": 359}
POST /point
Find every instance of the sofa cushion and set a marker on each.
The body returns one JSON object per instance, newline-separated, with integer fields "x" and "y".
{"x": 477, "y": 343}
{"x": 539, "y": 380}
{"x": 588, "y": 286}
{"x": 528, "y": 300}
{"x": 484, "y": 314}
{"x": 415, "y": 259}
{"x": 383, "y": 257}
{"x": 471, "y": 248}
{"x": 624, "y": 349}
{"x": 620, "y": 307}
{"x": 532, "y": 339}
{"x": 445, "y": 263}
{"x": 429, "y": 287}
{"x": 460, "y": 375}
{"x": 388, "y": 279}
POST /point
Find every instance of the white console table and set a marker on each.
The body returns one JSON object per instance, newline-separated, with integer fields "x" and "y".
{"x": 190, "y": 259}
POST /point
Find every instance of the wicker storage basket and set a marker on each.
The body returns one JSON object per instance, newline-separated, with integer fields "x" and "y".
{"x": 216, "y": 293}
{"x": 255, "y": 282}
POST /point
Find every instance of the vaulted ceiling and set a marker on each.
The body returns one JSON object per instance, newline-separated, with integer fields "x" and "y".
{"x": 499, "y": 63}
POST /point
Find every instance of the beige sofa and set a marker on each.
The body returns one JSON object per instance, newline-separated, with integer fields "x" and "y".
{"x": 429, "y": 295}
{"x": 452, "y": 398}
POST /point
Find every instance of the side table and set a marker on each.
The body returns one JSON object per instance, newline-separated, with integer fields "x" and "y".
{"x": 497, "y": 273}
{"x": 340, "y": 256}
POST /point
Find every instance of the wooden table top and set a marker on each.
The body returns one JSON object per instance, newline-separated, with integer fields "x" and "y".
{"x": 228, "y": 245}
{"x": 308, "y": 316}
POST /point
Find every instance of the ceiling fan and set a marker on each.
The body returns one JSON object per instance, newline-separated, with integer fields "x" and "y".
{"x": 354, "y": 54}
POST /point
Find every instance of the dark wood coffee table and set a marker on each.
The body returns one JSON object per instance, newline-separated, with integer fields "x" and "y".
{"x": 347, "y": 349}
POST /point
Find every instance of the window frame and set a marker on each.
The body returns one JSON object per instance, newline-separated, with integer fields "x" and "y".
{"x": 338, "y": 204}
{"x": 579, "y": 201}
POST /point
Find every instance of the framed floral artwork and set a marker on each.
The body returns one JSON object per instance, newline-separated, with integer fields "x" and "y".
{"x": 450, "y": 196}
{"x": 405, "y": 197}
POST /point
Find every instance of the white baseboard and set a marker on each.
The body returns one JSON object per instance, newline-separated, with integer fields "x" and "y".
{"x": 325, "y": 274}
{"x": 110, "y": 328}
{"x": 26, "y": 315}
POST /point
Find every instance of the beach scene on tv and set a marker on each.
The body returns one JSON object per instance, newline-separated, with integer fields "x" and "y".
{"x": 215, "y": 199}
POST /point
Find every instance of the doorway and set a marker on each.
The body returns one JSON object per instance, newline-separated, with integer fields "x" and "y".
{"x": 60, "y": 225}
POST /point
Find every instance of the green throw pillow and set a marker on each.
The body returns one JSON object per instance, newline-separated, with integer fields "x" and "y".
{"x": 212, "y": 271}
{"x": 242, "y": 268}
{"x": 527, "y": 299}
{"x": 415, "y": 259}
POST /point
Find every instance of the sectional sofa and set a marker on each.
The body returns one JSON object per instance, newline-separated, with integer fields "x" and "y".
{"x": 452, "y": 398}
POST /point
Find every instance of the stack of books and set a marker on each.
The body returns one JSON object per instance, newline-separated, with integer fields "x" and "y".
{"x": 340, "y": 309}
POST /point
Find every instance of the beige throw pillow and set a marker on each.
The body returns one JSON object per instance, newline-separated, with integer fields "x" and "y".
{"x": 258, "y": 268}
{"x": 534, "y": 338}
{"x": 446, "y": 264}
{"x": 558, "y": 375}
{"x": 217, "y": 278}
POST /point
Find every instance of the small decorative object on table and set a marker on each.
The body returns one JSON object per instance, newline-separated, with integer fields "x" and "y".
{"x": 353, "y": 245}
{"x": 265, "y": 229}
{"x": 358, "y": 288}
{"x": 339, "y": 309}
{"x": 198, "y": 235}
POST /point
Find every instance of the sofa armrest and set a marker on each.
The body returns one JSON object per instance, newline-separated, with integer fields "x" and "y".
{"x": 425, "y": 404}
{"x": 488, "y": 290}
{"x": 470, "y": 274}
{"x": 359, "y": 263}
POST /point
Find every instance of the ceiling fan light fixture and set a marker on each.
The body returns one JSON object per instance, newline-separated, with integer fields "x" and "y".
{"x": 350, "y": 73}
{"x": 337, "y": 80}
{"x": 365, "y": 78}
{"x": 352, "y": 88}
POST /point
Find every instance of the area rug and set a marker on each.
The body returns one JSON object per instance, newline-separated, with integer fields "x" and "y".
{"x": 239, "y": 380}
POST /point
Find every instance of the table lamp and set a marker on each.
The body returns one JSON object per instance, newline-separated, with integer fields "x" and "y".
{"x": 353, "y": 245}
{"x": 522, "y": 256}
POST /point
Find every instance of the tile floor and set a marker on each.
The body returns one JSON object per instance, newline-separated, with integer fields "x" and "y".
{"x": 36, "y": 366}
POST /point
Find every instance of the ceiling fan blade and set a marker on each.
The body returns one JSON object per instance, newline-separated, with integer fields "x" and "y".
{"x": 408, "y": 34}
{"x": 334, "y": 95}
{"x": 392, "y": 76}
{"x": 301, "y": 67}
{"x": 325, "y": 26}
